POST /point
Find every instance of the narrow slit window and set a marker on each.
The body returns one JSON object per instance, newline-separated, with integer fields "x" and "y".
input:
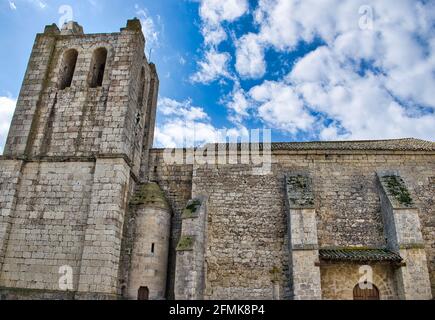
{"x": 152, "y": 248}
{"x": 98, "y": 67}
{"x": 67, "y": 69}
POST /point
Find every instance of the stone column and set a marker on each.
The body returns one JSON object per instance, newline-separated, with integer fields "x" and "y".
{"x": 304, "y": 251}
{"x": 189, "y": 272}
{"x": 403, "y": 231}
{"x": 101, "y": 252}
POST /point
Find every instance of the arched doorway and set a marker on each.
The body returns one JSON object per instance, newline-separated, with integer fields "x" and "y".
{"x": 366, "y": 294}
{"x": 143, "y": 293}
{"x": 123, "y": 291}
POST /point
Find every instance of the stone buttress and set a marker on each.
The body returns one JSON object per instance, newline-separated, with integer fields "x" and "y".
{"x": 190, "y": 266}
{"x": 304, "y": 249}
{"x": 403, "y": 232}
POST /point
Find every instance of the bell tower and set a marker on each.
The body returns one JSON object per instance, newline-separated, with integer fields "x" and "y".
{"x": 86, "y": 95}
{"x": 83, "y": 124}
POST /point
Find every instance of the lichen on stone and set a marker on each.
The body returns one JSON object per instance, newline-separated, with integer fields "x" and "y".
{"x": 149, "y": 193}
{"x": 186, "y": 243}
{"x": 275, "y": 273}
{"x": 396, "y": 187}
{"x": 191, "y": 210}
{"x": 299, "y": 191}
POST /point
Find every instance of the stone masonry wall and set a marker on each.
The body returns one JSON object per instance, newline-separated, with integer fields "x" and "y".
{"x": 48, "y": 224}
{"x": 101, "y": 254}
{"x": 348, "y": 206}
{"x": 339, "y": 281}
{"x": 246, "y": 235}
{"x": 246, "y": 213}
{"x": 176, "y": 182}
{"x": 10, "y": 174}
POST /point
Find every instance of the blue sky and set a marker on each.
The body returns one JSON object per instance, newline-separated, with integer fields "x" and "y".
{"x": 308, "y": 70}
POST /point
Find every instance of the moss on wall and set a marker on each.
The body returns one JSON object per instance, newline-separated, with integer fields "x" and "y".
{"x": 149, "y": 194}
{"x": 186, "y": 243}
{"x": 396, "y": 187}
{"x": 191, "y": 210}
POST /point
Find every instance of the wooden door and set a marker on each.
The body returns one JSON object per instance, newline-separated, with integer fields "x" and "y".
{"x": 365, "y": 294}
{"x": 143, "y": 293}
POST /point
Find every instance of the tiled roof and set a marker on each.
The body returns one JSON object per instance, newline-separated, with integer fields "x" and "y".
{"x": 399, "y": 144}
{"x": 408, "y": 144}
{"x": 346, "y": 254}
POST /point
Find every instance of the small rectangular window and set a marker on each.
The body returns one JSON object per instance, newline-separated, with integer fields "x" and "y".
{"x": 152, "y": 248}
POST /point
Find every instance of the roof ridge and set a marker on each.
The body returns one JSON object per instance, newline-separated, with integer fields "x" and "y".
{"x": 335, "y": 141}
{"x": 403, "y": 144}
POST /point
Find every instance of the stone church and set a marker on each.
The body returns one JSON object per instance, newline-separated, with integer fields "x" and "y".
{"x": 90, "y": 210}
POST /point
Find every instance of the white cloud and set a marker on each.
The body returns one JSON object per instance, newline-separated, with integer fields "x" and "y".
{"x": 214, "y": 12}
{"x": 169, "y": 107}
{"x": 238, "y": 104}
{"x": 330, "y": 133}
{"x": 183, "y": 125}
{"x": 13, "y": 5}
{"x": 41, "y": 4}
{"x": 250, "y": 57}
{"x": 150, "y": 28}
{"x": 367, "y": 83}
{"x": 213, "y": 34}
{"x": 280, "y": 107}
{"x": 178, "y": 133}
{"x": 7, "y": 107}
{"x": 361, "y": 104}
{"x": 213, "y": 66}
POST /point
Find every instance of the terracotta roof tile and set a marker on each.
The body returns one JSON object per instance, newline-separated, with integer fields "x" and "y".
{"x": 356, "y": 254}
{"x": 409, "y": 144}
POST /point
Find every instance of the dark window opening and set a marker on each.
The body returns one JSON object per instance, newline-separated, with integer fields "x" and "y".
{"x": 98, "y": 67}
{"x": 152, "y": 248}
{"x": 67, "y": 68}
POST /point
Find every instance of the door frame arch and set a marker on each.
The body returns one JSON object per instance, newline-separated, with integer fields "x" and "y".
{"x": 366, "y": 294}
